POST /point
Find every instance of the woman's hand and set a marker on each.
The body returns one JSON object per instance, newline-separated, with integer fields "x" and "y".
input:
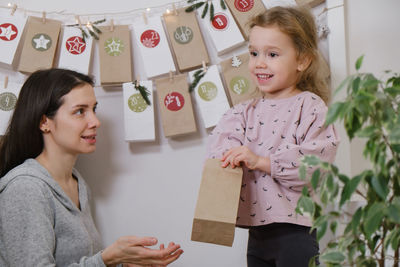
{"x": 237, "y": 155}
{"x": 134, "y": 251}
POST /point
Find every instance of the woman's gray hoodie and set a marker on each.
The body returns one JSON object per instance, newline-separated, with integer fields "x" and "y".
{"x": 40, "y": 225}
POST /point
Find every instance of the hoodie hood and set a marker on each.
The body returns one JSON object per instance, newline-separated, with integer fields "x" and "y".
{"x": 33, "y": 170}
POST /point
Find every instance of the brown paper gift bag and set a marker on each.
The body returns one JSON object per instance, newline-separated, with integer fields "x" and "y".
{"x": 217, "y": 204}
{"x": 243, "y": 11}
{"x": 186, "y": 39}
{"x": 175, "y": 105}
{"x": 115, "y": 55}
{"x": 237, "y": 78}
{"x": 40, "y": 44}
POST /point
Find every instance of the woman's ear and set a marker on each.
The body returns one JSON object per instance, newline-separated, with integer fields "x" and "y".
{"x": 303, "y": 63}
{"x": 44, "y": 124}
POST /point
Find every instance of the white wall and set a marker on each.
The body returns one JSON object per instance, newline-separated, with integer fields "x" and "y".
{"x": 151, "y": 188}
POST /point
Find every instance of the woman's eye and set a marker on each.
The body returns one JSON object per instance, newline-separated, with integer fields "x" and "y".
{"x": 80, "y": 111}
{"x": 253, "y": 53}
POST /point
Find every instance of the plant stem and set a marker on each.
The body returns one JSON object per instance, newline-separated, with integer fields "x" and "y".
{"x": 396, "y": 258}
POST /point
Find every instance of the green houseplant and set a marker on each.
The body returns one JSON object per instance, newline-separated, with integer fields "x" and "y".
{"x": 370, "y": 236}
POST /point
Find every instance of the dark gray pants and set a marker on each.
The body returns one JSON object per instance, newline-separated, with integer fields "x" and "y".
{"x": 281, "y": 245}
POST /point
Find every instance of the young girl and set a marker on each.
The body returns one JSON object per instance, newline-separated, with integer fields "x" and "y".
{"x": 45, "y": 217}
{"x": 269, "y": 136}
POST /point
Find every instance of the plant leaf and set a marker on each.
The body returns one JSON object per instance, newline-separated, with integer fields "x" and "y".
{"x": 204, "y": 11}
{"x": 349, "y": 188}
{"x": 334, "y": 112}
{"x": 315, "y": 178}
{"x": 373, "y": 219}
{"x": 194, "y": 7}
{"x": 222, "y": 3}
{"x": 379, "y": 187}
{"x": 359, "y": 62}
{"x": 333, "y": 257}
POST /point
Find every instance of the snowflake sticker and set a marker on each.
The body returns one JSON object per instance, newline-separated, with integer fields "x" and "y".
{"x": 137, "y": 103}
{"x": 150, "y": 38}
{"x": 183, "y": 35}
{"x": 220, "y": 21}
{"x": 7, "y": 101}
{"x": 244, "y": 5}
{"x": 8, "y": 32}
{"x": 239, "y": 85}
{"x": 75, "y": 45}
{"x": 174, "y": 101}
{"x": 114, "y": 46}
{"x": 41, "y": 42}
{"x": 207, "y": 91}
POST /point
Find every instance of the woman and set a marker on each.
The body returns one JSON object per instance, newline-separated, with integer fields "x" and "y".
{"x": 45, "y": 217}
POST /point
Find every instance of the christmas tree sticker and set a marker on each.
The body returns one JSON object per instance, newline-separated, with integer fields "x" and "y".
{"x": 236, "y": 62}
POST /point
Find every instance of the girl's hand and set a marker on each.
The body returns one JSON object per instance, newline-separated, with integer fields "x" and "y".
{"x": 237, "y": 155}
{"x": 133, "y": 251}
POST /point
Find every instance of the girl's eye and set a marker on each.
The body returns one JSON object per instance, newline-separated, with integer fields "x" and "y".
{"x": 253, "y": 53}
{"x": 272, "y": 54}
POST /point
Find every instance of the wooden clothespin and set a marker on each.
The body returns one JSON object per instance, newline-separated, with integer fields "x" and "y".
{"x": 5, "y": 82}
{"x": 145, "y": 18}
{"x": 171, "y": 76}
{"x": 13, "y": 9}
{"x": 44, "y": 17}
{"x": 137, "y": 81}
{"x": 112, "y": 25}
{"x": 204, "y": 66}
{"x": 174, "y": 9}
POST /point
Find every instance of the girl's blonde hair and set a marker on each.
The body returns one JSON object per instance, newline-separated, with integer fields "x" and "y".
{"x": 298, "y": 23}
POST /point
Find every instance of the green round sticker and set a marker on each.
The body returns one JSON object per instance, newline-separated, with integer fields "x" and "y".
{"x": 41, "y": 42}
{"x": 208, "y": 91}
{"x": 7, "y": 101}
{"x": 114, "y": 46}
{"x": 239, "y": 85}
{"x": 137, "y": 103}
{"x": 183, "y": 35}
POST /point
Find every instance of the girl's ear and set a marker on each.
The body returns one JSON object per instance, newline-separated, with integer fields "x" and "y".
{"x": 44, "y": 124}
{"x": 303, "y": 63}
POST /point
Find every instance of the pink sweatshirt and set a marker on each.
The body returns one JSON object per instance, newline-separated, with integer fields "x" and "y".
{"x": 284, "y": 130}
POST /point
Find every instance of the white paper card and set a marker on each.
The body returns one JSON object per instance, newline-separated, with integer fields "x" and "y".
{"x": 210, "y": 96}
{"x": 272, "y": 3}
{"x": 8, "y": 99}
{"x": 138, "y": 116}
{"x": 74, "y": 52}
{"x": 153, "y": 45}
{"x": 11, "y": 28}
{"x": 223, "y": 30}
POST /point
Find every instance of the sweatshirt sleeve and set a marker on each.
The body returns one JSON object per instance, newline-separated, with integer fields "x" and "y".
{"x": 228, "y": 133}
{"x": 312, "y": 138}
{"x": 26, "y": 227}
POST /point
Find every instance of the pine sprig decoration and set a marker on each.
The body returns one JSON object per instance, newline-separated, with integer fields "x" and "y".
{"x": 204, "y": 11}
{"x": 197, "y": 77}
{"x": 194, "y": 7}
{"x": 93, "y": 30}
{"x": 143, "y": 91}
{"x": 207, "y": 7}
{"x": 222, "y": 3}
{"x": 211, "y": 11}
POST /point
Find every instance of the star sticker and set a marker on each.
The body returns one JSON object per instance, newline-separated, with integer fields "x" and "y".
{"x": 114, "y": 46}
{"x": 7, "y": 32}
{"x": 75, "y": 46}
{"x": 41, "y": 42}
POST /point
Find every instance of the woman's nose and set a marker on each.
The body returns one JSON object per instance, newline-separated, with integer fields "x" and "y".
{"x": 94, "y": 122}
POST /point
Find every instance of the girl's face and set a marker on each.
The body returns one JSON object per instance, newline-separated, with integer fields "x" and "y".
{"x": 73, "y": 128}
{"x": 273, "y": 62}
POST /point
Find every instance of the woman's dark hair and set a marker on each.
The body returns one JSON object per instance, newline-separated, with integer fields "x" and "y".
{"x": 41, "y": 94}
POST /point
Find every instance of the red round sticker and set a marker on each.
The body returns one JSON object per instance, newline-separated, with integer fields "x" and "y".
{"x": 150, "y": 38}
{"x": 244, "y": 5}
{"x": 174, "y": 101}
{"x": 75, "y": 45}
{"x": 8, "y": 32}
{"x": 220, "y": 21}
